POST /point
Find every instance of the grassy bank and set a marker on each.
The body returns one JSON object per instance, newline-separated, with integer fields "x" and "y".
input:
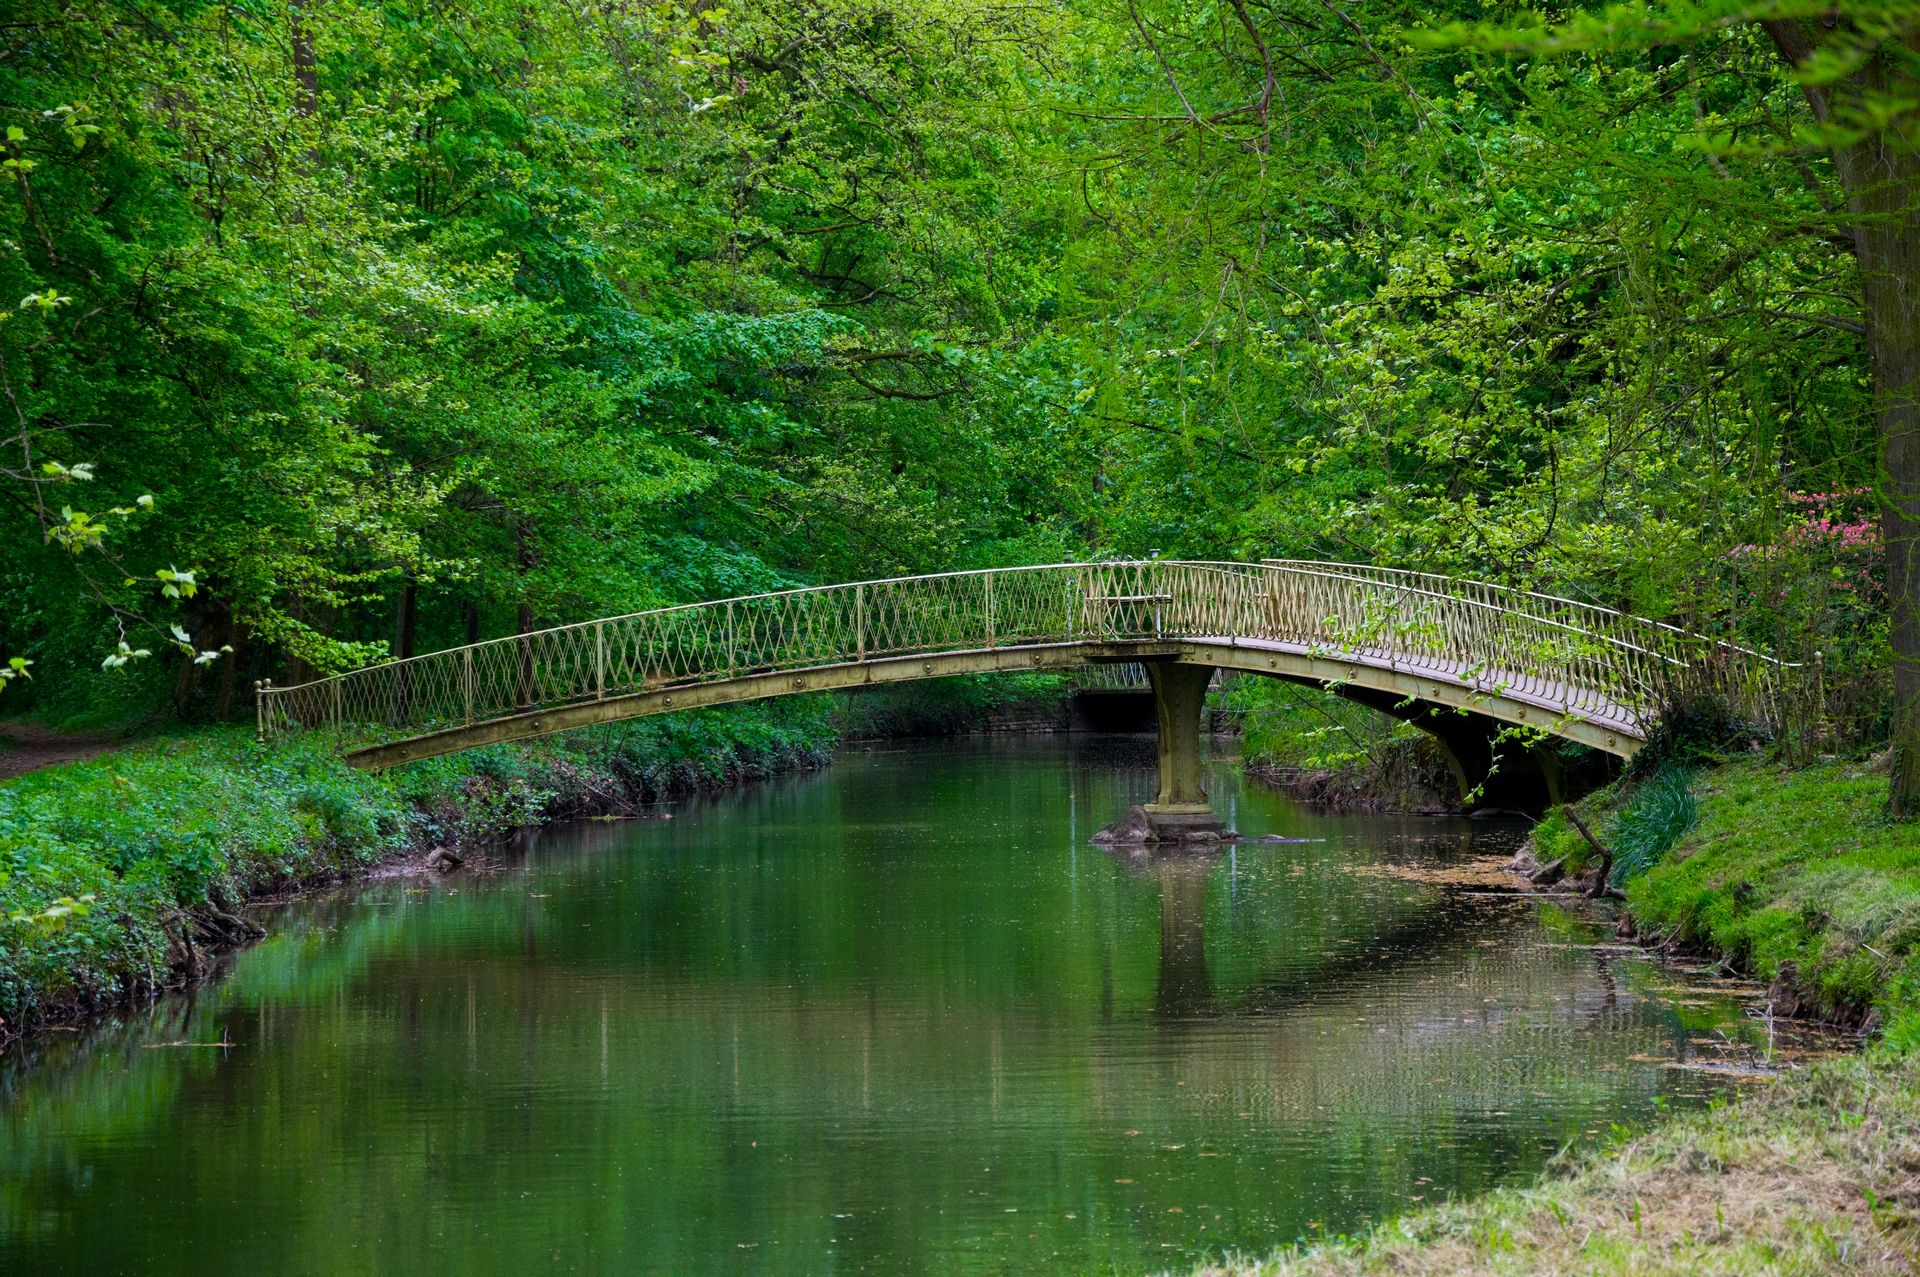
{"x": 1794, "y": 876}
{"x": 117, "y": 874}
{"x": 1814, "y": 1175}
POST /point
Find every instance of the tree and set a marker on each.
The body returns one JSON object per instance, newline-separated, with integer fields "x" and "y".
{"x": 1860, "y": 69}
{"x": 1858, "y": 65}
{"x": 430, "y": 323}
{"x": 1359, "y": 285}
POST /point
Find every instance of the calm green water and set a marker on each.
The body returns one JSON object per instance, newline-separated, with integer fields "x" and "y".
{"x": 895, "y": 1017}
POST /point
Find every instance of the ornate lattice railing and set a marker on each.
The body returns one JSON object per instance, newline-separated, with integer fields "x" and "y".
{"x": 1586, "y": 661}
{"x": 1114, "y": 676}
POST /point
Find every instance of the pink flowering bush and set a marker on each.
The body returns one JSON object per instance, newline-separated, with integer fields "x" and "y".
{"x": 1821, "y": 586}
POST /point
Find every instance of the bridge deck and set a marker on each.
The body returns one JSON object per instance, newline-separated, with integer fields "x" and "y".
{"x": 1438, "y": 676}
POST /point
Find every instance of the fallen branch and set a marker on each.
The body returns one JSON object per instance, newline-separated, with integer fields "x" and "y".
{"x": 1599, "y": 887}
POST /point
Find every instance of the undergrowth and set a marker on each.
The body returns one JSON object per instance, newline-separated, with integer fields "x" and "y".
{"x": 1656, "y": 815}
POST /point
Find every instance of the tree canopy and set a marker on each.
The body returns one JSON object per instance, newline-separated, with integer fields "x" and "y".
{"x": 366, "y": 327}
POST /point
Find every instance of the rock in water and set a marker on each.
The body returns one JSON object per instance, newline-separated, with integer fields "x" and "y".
{"x": 1548, "y": 874}
{"x": 440, "y": 860}
{"x": 1130, "y": 830}
{"x": 1136, "y": 829}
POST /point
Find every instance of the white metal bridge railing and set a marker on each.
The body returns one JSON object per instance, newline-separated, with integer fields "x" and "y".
{"x": 1589, "y": 661}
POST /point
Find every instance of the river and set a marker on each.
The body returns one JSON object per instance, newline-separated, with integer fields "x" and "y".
{"x": 896, "y": 1016}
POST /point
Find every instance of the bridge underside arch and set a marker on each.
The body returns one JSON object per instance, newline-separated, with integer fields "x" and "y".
{"x": 1463, "y": 713}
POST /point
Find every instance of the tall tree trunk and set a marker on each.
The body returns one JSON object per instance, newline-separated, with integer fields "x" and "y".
{"x": 306, "y": 69}
{"x": 229, "y": 665}
{"x": 1880, "y": 173}
{"x": 184, "y": 685}
{"x": 1890, "y": 269}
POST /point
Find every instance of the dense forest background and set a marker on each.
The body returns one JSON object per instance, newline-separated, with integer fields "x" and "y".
{"x": 336, "y": 329}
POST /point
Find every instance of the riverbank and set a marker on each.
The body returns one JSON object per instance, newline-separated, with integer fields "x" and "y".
{"x": 121, "y": 875}
{"x": 1402, "y": 780}
{"x": 1819, "y": 1173}
{"x": 1332, "y": 754}
{"x": 123, "y": 871}
{"x": 1794, "y": 877}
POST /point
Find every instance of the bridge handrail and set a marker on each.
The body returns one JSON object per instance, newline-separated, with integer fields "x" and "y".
{"x": 1283, "y": 565}
{"x": 1598, "y": 608}
{"x": 1584, "y": 655}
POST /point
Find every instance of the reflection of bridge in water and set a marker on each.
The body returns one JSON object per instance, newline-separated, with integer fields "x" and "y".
{"x": 1432, "y": 1013}
{"x": 1462, "y": 660}
{"x": 1183, "y": 875}
{"x": 1490, "y": 1021}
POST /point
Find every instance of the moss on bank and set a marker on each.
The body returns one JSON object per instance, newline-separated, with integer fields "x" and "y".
{"x": 115, "y": 873}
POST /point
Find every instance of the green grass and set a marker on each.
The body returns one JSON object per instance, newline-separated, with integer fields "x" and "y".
{"x": 1655, "y": 817}
{"x": 1639, "y": 820}
{"x": 1798, "y": 876}
{"x": 106, "y": 865}
{"x": 1794, "y": 876}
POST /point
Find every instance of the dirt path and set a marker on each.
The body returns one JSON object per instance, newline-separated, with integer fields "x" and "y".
{"x": 27, "y": 747}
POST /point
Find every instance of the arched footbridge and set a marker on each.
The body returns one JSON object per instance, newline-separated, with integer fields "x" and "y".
{"x": 1462, "y": 659}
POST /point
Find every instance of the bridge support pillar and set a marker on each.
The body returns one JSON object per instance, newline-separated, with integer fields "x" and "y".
{"x": 1180, "y": 809}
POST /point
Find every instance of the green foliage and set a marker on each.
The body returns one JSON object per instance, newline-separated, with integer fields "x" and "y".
{"x": 401, "y": 323}
{"x": 1656, "y": 815}
{"x": 517, "y": 317}
{"x": 951, "y": 705}
{"x": 463, "y": 322}
{"x": 1640, "y": 820}
{"x": 1555, "y": 838}
{"x": 1284, "y": 725}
